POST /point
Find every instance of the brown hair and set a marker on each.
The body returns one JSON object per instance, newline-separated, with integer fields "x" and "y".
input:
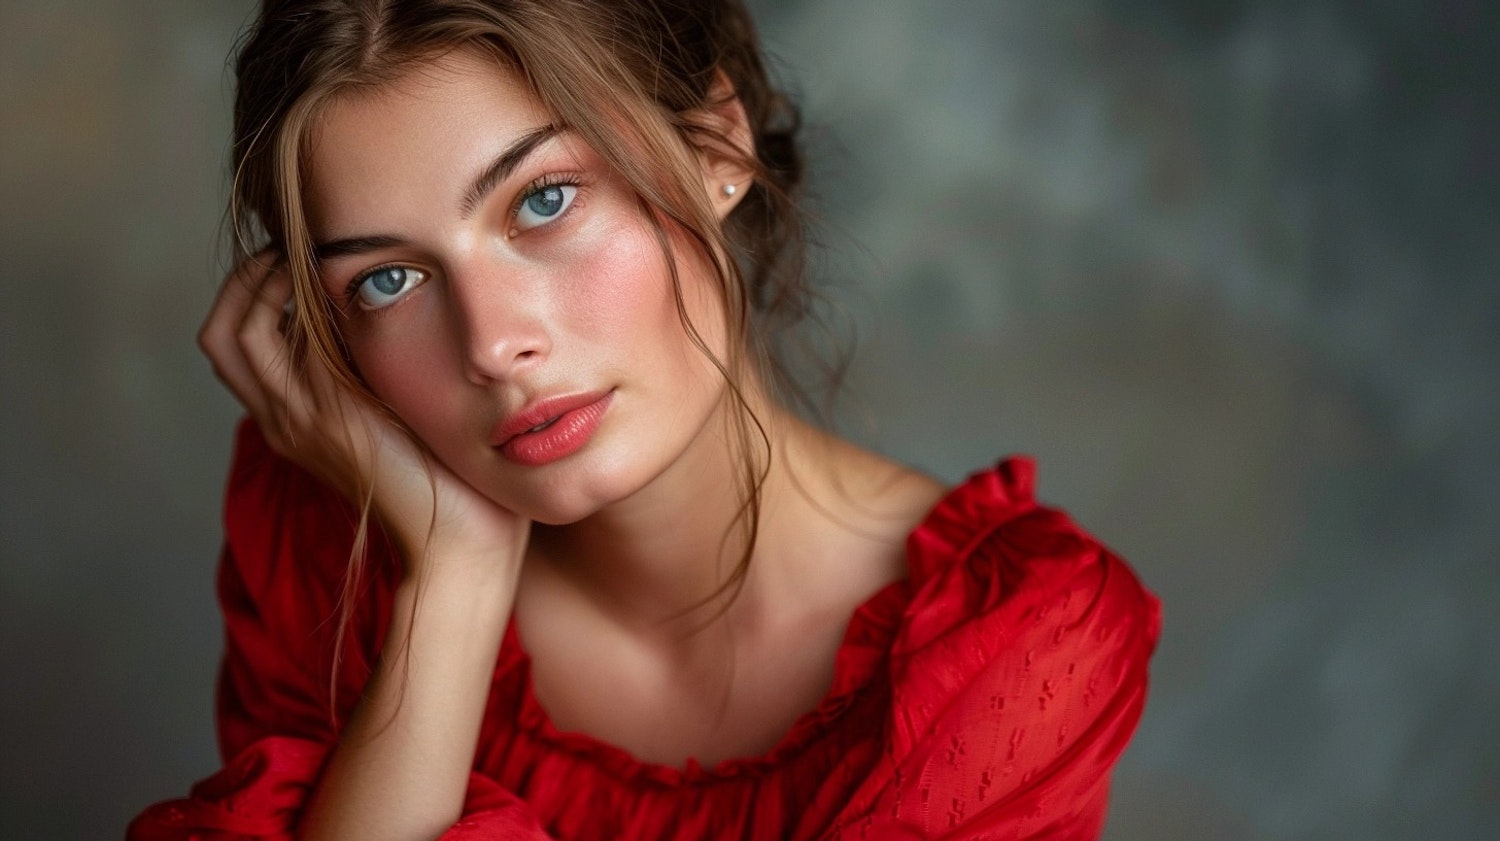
{"x": 634, "y": 79}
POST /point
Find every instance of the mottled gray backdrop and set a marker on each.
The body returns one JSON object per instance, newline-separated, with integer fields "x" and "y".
{"x": 1228, "y": 269}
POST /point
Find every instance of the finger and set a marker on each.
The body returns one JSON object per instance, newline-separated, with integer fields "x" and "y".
{"x": 264, "y": 348}
{"x": 217, "y": 337}
{"x": 238, "y": 291}
{"x": 259, "y": 330}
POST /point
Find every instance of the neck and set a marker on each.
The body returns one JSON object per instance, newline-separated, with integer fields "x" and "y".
{"x": 659, "y": 560}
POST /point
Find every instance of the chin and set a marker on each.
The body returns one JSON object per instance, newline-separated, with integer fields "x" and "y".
{"x": 558, "y": 515}
{"x": 575, "y": 495}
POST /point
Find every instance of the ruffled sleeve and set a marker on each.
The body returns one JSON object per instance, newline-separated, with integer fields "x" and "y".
{"x": 1018, "y": 674}
{"x": 281, "y": 576}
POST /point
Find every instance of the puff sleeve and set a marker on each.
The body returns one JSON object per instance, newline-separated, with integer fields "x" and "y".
{"x": 1018, "y": 676}
{"x": 280, "y": 578}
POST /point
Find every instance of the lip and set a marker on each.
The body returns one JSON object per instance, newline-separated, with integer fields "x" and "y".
{"x": 571, "y": 422}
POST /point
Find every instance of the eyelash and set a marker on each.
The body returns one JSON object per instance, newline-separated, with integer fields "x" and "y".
{"x": 551, "y": 179}
{"x": 351, "y": 292}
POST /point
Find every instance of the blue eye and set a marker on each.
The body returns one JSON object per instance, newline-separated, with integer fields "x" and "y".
{"x": 544, "y": 204}
{"x": 386, "y": 285}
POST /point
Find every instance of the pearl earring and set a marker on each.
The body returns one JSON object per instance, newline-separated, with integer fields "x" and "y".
{"x": 730, "y": 189}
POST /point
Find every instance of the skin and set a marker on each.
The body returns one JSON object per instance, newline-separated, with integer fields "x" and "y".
{"x": 599, "y": 557}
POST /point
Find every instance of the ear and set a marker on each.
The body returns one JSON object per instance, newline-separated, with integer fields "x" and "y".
{"x": 729, "y": 148}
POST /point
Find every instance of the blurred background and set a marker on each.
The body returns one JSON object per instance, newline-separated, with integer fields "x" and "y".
{"x": 1228, "y": 269}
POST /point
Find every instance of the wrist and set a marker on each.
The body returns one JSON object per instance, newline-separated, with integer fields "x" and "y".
{"x": 467, "y": 605}
{"x": 482, "y": 573}
{"x": 467, "y": 546}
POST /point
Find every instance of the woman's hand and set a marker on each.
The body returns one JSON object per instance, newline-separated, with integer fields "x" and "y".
{"x": 402, "y": 763}
{"x": 307, "y": 416}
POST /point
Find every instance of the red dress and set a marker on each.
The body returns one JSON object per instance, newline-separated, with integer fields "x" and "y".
{"x": 987, "y": 695}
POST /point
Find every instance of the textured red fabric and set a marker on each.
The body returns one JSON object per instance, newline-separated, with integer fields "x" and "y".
{"x": 987, "y": 695}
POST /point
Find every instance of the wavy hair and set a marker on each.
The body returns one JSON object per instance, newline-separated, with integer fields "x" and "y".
{"x": 635, "y": 79}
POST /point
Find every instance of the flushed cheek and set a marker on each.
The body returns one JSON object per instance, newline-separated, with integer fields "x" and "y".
{"x": 622, "y": 295}
{"x": 414, "y": 376}
{"x": 617, "y": 282}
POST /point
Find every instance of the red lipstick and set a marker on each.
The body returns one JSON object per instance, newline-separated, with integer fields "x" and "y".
{"x": 551, "y": 429}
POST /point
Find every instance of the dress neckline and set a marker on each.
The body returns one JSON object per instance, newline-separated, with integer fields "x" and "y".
{"x": 864, "y": 648}
{"x": 947, "y": 528}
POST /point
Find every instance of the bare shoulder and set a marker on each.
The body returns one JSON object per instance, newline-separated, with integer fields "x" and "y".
{"x": 871, "y": 502}
{"x": 887, "y": 490}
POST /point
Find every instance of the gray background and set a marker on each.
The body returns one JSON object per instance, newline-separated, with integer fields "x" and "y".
{"x": 1226, "y": 268}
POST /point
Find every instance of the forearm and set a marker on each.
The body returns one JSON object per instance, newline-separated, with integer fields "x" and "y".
{"x": 402, "y": 765}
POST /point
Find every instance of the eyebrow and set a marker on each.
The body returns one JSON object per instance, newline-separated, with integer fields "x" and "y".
{"x": 354, "y": 245}
{"x": 496, "y": 172}
{"x": 503, "y": 165}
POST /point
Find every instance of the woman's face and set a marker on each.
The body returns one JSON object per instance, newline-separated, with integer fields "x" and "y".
{"x": 505, "y": 295}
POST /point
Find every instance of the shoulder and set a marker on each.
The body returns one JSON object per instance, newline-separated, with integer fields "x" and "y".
{"x": 1017, "y": 672}
{"x": 990, "y": 547}
{"x": 282, "y": 580}
{"x": 288, "y": 544}
{"x": 1003, "y": 586}
{"x": 281, "y": 525}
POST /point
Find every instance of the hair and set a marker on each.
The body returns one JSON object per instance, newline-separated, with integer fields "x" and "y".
{"x": 637, "y": 80}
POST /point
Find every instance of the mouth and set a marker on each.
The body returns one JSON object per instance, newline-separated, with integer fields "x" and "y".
{"x": 551, "y": 429}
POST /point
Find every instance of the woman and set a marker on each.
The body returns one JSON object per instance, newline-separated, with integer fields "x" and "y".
{"x": 520, "y": 539}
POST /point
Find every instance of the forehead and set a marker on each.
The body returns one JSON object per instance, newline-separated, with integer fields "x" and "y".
{"x": 418, "y": 139}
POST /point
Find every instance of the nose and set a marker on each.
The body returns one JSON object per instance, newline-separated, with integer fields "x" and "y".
{"x": 502, "y": 324}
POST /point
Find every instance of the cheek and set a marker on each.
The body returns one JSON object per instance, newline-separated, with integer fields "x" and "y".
{"x": 623, "y": 282}
{"x": 620, "y": 280}
{"x": 412, "y": 376}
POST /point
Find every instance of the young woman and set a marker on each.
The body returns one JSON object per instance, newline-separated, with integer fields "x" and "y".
{"x": 521, "y": 540}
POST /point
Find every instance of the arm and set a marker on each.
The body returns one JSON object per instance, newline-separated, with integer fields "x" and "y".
{"x": 1007, "y": 722}
{"x": 286, "y": 549}
{"x": 400, "y": 768}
